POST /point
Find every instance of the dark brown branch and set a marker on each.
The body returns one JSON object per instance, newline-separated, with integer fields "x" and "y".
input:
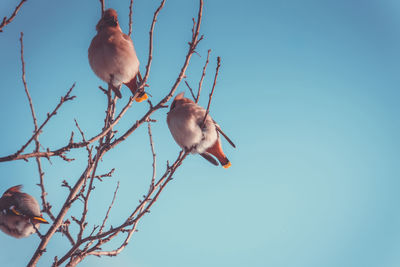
{"x": 212, "y": 91}
{"x": 7, "y": 21}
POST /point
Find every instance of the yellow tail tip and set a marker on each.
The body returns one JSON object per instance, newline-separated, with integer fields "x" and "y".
{"x": 141, "y": 98}
{"x": 226, "y": 166}
{"x": 40, "y": 219}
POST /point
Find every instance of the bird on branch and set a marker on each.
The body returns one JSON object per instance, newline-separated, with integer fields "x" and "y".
{"x": 112, "y": 56}
{"x": 19, "y": 213}
{"x": 195, "y": 132}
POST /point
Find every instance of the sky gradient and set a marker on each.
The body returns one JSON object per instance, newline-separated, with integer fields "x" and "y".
{"x": 308, "y": 90}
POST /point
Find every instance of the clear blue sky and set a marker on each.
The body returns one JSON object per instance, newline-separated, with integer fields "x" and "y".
{"x": 308, "y": 90}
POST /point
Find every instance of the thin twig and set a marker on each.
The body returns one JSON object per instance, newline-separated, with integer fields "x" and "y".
{"x": 130, "y": 17}
{"x": 150, "y": 58}
{"x": 63, "y": 99}
{"x": 25, "y": 84}
{"x": 191, "y": 90}
{"x": 71, "y": 144}
{"x": 7, "y": 21}
{"x": 58, "y": 222}
{"x": 102, "y": 7}
{"x": 153, "y": 153}
{"x": 133, "y": 219}
{"x": 46, "y": 206}
{"x": 202, "y": 77}
{"x": 212, "y": 91}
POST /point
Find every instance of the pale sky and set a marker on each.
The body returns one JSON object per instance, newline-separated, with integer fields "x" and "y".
{"x": 308, "y": 90}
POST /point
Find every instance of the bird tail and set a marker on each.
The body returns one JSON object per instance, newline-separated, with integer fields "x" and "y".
{"x": 132, "y": 85}
{"x": 216, "y": 150}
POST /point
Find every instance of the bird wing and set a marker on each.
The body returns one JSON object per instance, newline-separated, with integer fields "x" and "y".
{"x": 208, "y": 157}
{"x": 26, "y": 205}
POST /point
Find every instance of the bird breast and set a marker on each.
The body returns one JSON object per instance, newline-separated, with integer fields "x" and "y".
{"x": 112, "y": 54}
{"x": 184, "y": 122}
{"x": 16, "y": 226}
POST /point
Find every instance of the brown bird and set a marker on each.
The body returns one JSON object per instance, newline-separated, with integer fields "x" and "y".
{"x": 112, "y": 55}
{"x": 185, "y": 121}
{"x": 18, "y": 211}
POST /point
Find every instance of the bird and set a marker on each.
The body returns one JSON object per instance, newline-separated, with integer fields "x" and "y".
{"x": 185, "y": 121}
{"x": 112, "y": 56}
{"x": 19, "y": 212}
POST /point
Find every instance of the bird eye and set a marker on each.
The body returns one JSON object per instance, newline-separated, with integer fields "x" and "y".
{"x": 111, "y": 21}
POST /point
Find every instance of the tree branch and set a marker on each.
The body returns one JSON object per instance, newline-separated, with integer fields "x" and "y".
{"x": 8, "y": 21}
{"x": 130, "y": 17}
{"x": 212, "y": 91}
{"x": 202, "y": 77}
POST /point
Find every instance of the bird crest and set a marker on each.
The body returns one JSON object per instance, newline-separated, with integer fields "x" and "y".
{"x": 14, "y": 189}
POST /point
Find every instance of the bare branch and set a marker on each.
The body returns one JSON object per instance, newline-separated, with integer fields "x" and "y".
{"x": 16, "y": 155}
{"x": 109, "y": 174}
{"x": 202, "y": 77}
{"x": 46, "y": 206}
{"x": 82, "y": 188}
{"x": 212, "y": 91}
{"x": 191, "y": 90}
{"x": 130, "y": 17}
{"x": 25, "y": 84}
{"x": 58, "y": 222}
{"x": 192, "y": 46}
{"x": 7, "y": 21}
{"x": 102, "y": 7}
{"x": 133, "y": 219}
{"x": 150, "y": 58}
{"x": 109, "y": 209}
{"x": 153, "y": 153}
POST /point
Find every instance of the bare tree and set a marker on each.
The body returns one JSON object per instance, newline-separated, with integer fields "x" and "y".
{"x": 80, "y": 244}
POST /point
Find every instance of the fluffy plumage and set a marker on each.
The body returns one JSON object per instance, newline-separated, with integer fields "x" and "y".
{"x": 112, "y": 55}
{"x": 17, "y": 213}
{"x": 185, "y": 121}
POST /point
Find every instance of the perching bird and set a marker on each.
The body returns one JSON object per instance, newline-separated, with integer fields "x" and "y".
{"x": 18, "y": 211}
{"x": 112, "y": 55}
{"x": 185, "y": 121}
